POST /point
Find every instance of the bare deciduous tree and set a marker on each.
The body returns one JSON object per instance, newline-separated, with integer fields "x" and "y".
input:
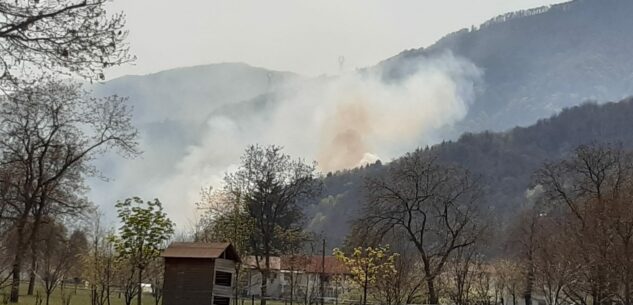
{"x": 59, "y": 253}
{"x": 436, "y": 205}
{"x": 510, "y": 277}
{"x": 99, "y": 263}
{"x": 588, "y": 205}
{"x": 48, "y": 135}
{"x": 72, "y": 36}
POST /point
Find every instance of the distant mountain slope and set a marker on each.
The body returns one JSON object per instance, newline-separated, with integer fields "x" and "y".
{"x": 171, "y": 109}
{"x": 504, "y": 161}
{"x": 539, "y": 61}
{"x": 534, "y": 64}
{"x": 191, "y": 93}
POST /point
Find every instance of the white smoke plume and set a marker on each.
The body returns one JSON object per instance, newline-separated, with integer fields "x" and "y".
{"x": 340, "y": 122}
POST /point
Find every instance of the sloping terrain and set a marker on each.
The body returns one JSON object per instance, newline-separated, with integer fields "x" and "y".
{"x": 539, "y": 61}
{"x": 504, "y": 162}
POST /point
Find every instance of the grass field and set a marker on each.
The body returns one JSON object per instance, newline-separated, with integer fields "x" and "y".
{"x": 81, "y": 297}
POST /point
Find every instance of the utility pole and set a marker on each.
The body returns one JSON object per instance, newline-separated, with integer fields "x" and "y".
{"x": 323, "y": 273}
{"x": 341, "y": 63}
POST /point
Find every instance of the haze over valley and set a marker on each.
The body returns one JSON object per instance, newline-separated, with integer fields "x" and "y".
{"x": 359, "y": 152}
{"x": 512, "y": 70}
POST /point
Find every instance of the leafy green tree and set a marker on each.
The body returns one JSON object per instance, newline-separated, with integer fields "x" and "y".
{"x": 144, "y": 230}
{"x": 271, "y": 185}
{"x": 369, "y": 266}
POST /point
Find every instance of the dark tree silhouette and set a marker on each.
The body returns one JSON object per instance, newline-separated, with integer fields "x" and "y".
{"x": 272, "y": 186}
{"x": 435, "y": 205}
{"x": 69, "y": 36}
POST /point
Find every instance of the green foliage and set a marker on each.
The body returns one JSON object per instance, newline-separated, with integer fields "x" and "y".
{"x": 369, "y": 267}
{"x": 225, "y": 219}
{"x": 269, "y": 186}
{"x": 144, "y": 230}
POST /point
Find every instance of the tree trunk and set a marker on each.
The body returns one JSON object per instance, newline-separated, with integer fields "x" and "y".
{"x": 527, "y": 296}
{"x": 237, "y": 284}
{"x": 32, "y": 278}
{"x": 32, "y": 239}
{"x": 307, "y": 288}
{"x": 265, "y": 275}
{"x": 17, "y": 263}
{"x": 15, "y": 281}
{"x": 107, "y": 283}
{"x": 365, "y": 284}
{"x": 264, "y": 287}
{"x": 627, "y": 292}
{"x": 627, "y": 273}
{"x": 292, "y": 286}
{"x": 140, "y": 286}
{"x": 433, "y": 299}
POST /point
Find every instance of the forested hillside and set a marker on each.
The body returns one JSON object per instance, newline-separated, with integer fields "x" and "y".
{"x": 532, "y": 64}
{"x": 504, "y": 161}
{"x": 539, "y": 61}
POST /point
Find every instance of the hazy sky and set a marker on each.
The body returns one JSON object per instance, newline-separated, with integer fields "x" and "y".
{"x": 304, "y": 36}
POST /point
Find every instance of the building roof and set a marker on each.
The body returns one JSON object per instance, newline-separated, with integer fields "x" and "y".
{"x": 303, "y": 263}
{"x": 275, "y": 262}
{"x": 314, "y": 264}
{"x": 201, "y": 250}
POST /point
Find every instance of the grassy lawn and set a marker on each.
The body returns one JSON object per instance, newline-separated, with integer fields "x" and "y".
{"x": 81, "y": 297}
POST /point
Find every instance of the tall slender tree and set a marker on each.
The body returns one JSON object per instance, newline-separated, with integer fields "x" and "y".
{"x": 144, "y": 230}
{"x": 272, "y": 185}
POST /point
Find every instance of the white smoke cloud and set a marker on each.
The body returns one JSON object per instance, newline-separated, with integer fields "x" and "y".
{"x": 341, "y": 122}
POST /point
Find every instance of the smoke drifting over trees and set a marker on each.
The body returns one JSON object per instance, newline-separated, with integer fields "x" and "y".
{"x": 339, "y": 121}
{"x": 515, "y": 69}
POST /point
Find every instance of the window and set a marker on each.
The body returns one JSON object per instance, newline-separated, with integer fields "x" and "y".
{"x": 221, "y": 301}
{"x": 223, "y": 278}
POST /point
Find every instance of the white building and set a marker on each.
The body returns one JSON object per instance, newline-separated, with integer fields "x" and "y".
{"x": 297, "y": 276}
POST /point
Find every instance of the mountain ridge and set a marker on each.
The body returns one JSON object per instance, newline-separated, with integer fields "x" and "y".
{"x": 535, "y": 63}
{"x": 503, "y": 161}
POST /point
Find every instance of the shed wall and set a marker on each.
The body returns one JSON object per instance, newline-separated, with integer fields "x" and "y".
{"x": 188, "y": 281}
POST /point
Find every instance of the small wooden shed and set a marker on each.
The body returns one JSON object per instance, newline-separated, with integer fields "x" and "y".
{"x": 199, "y": 273}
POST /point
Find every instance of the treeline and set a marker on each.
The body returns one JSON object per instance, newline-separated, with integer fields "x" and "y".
{"x": 426, "y": 231}
{"x": 504, "y": 162}
{"x": 569, "y": 244}
{"x": 51, "y": 130}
